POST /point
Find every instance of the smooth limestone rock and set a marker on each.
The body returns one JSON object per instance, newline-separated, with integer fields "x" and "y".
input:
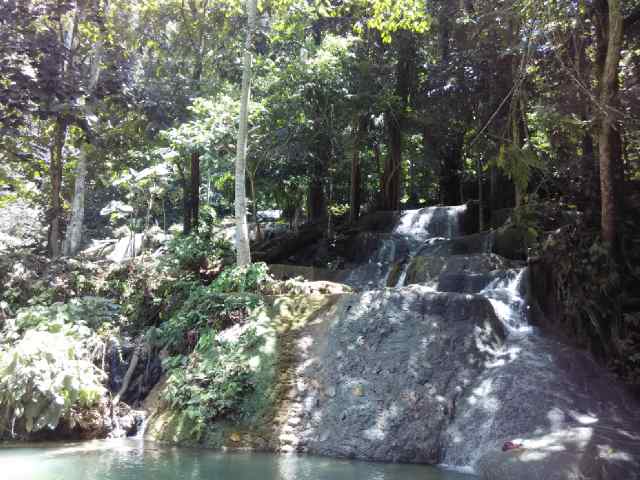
{"x": 378, "y": 376}
{"x": 548, "y": 393}
{"x": 127, "y": 248}
{"x": 475, "y": 282}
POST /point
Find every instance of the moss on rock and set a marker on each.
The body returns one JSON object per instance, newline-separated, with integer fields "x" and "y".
{"x": 251, "y": 425}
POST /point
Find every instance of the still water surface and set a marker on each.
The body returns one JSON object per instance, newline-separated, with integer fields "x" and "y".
{"x": 129, "y": 459}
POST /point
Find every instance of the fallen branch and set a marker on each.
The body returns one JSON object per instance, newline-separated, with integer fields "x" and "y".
{"x": 127, "y": 377}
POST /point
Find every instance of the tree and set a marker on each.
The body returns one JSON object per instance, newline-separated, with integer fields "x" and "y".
{"x": 243, "y": 251}
{"x": 73, "y": 237}
{"x": 609, "y": 144}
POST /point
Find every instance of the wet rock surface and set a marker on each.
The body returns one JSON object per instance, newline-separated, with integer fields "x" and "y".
{"x": 380, "y": 376}
{"x": 429, "y": 269}
{"x": 578, "y": 452}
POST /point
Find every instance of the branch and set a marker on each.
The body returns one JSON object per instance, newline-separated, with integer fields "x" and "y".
{"x": 129, "y": 374}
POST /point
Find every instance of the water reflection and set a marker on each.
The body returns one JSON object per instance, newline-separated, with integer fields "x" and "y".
{"x": 129, "y": 459}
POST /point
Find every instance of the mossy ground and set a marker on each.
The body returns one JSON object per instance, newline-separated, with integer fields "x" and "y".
{"x": 256, "y": 422}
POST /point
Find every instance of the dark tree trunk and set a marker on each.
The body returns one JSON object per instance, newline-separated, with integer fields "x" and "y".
{"x": 55, "y": 173}
{"x": 450, "y": 182}
{"x": 356, "y": 180}
{"x": 395, "y": 120}
{"x": 186, "y": 202}
{"x": 317, "y": 196}
{"x": 392, "y": 175}
{"x": 254, "y": 206}
{"x": 609, "y": 34}
{"x": 317, "y": 203}
{"x": 356, "y": 168}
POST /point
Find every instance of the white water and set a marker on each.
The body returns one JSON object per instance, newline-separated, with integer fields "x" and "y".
{"x": 427, "y": 232}
{"x": 508, "y": 299}
{"x": 141, "y": 428}
{"x": 431, "y": 222}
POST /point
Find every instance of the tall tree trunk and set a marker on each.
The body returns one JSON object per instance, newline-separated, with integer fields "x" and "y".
{"x": 392, "y": 176}
{"x": 451, "y": 169}
{"x": 195, "y": 188}
{"x": 55, "y": 175}
{"x": 395, "y": 120}
{"x": 243, "y": 251}
{"x": 317, "y": 196}
{"x": 317, "y": 202}
{"x": 73, "y": 238}
{"x": 186, "y": 200}
{"x": 609, "y": 144}
{"x": 480, "y": 195}
{"x": 356, "y": 169}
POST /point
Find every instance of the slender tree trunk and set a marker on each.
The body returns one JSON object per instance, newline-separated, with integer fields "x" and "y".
{"x": 55, "y": 174}
{"x": 186, "y": 206}
{"x": 317, "y": 196}
{"x": 356, "y": 179}
{"x": 243, "y": 251}
{"x": 450, "y": 177}
{"x": 480, "y": 195}
{"x": 317, "y": 202}
{"x": 405, "y": 76}
{"x": 356, "y": 169}
{"x": 73, "y": 238}
{"x": 609, "y": 145}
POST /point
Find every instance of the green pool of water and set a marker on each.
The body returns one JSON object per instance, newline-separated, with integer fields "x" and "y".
{"x": 128, "y": 459}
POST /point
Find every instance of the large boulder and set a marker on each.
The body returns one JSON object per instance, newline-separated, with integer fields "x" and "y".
{"x": 428, "y": 269}
{"x": 554, "y": 400}
{"x": 127, "y": 248}
{"x": 379, "y": 375}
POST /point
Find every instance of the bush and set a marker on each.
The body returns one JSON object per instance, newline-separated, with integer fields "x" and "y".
{"x": 95, "y": 312}
{"x": 213, "y": 380}
{"x": 252, "y": 278}
{"x": 206, "y": 250}
{"x": 47, "y": 372}
{"x": 212, "y": 307}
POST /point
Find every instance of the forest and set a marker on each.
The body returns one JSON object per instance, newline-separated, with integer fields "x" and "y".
{"x": 364, "y": 229}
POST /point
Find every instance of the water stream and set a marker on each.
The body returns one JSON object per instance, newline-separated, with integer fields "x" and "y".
{"x": 531, "y": 384}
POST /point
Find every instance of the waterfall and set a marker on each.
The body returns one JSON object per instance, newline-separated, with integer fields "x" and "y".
{"x": 528, "y": 384}
{"x": 435, "y": 235}
{"x": 141, "y": 427}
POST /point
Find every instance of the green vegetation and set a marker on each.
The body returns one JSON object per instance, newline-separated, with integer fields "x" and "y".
{"x": 46, "y": 366}
{"x": 213, "y": 380}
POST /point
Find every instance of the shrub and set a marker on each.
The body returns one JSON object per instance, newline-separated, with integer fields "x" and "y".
{"x": 213, "y": 307}
{"x": 45, "y": 373}
{"x": 252, "y": 278}
{"x": 213, "y": 380}
{"x": 95, "y": 312}
{"x": 205, "y": 249}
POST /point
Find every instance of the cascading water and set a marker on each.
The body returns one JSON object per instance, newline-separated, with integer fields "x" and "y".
{"x": 529, "y": 385}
